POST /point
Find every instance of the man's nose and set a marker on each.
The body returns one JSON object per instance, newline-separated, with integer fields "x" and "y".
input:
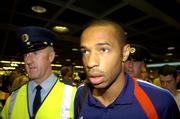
{"x": 93, "y": 60}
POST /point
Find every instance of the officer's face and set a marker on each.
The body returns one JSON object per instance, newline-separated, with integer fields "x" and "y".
{"x": 38, "y": 64}
{"x": 134, "y": 68}
{"x": 102, "y": 55}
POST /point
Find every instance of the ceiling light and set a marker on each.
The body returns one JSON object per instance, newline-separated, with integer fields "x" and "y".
{"x": 171, "y": 48}
{"x": 169, "y": 54}
{"x": 73, "y": 63}
{"x": 5, "y": 61}
{"x": 75, "y": 49}
{"x": 60, "y": 29}
{"x": 161, "y": 64}
{"x": 14, "y": 65}
{"x": 68, "y": 60}
{"x": 81, "y": 67}
{"x": 38, "y": 9}
{"x": 9, "y": 68}
{"x": 56, "y": 65}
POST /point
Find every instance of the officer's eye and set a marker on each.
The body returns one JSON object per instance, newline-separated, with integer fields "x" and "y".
{"x": 25, "y": 55}
{"x": 169, "y": 81}
{"x": 36, "y": 52}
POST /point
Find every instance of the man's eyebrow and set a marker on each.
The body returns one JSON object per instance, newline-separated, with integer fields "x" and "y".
{"x": 103, "y": 43}
{"x": 98, "y": 44}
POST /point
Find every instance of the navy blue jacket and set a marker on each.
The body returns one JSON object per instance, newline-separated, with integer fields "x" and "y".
{"x": 126, "y": 106}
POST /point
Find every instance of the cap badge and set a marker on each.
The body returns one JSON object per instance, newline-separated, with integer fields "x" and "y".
{"x": 45, "y": 43}
{"x": 132, "y": 50}
{"x": 24, "y": 38}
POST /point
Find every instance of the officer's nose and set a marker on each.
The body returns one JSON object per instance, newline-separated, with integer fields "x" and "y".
{"x": 28, "y": 58}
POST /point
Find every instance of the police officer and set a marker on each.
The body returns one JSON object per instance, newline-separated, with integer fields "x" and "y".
{"x": 135, "y": 65}
{"x": 44, "y": 96}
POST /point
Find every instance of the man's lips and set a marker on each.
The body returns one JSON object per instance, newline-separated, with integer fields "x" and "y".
{"x": 96, "y": 79}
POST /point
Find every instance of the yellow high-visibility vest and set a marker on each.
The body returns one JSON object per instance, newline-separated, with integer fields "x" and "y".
{"x": 58, "y": 104}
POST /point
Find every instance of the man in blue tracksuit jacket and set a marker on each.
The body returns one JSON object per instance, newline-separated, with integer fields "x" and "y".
{"x": 110, "y": 93}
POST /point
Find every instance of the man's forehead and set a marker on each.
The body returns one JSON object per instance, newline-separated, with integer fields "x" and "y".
{"x": 168, "y": 77}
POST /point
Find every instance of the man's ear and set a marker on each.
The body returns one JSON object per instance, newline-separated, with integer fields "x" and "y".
{"x": 51, "y": 56}
{"x": 126, "y": 52}
{"x": 177, "y": 79}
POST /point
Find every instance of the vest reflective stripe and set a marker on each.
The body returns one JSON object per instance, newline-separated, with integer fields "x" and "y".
{"x": 51, "y": 106}
{"x": 20, "y": 108}
{"x": 145, "y": 102}
{"x": 12, "y": 100}
{"x": 66, "y": 105}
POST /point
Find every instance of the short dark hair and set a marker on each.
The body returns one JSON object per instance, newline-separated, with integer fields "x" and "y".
{"x": 168, "y": 70}
{"x": 105, "y": 22}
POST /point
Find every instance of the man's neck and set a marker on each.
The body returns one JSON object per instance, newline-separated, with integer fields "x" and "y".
{"x": 108, "y": 95}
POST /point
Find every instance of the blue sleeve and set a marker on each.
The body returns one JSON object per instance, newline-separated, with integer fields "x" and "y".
{"x": 171, "y": 111}
{"x": 163, "y": 101}
{"x": 77, "y": 101}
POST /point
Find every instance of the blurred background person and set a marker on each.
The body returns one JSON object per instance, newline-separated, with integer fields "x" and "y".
{"x": 17, "y": 78}
{"x": 178, "y": 76}
{"x": 11, "y": 82}
{"x": 67, "y": 75}
{"x": 83, "y": 78}
{"x": 155, "y": 77}
{"x": 135, "y": 65}
{"x": 169, "y": 81}
{"x": 4, "y": 91}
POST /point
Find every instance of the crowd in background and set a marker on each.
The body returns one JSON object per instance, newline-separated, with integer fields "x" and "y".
{"x": 18, "y": 77}
{"x": 107, "y": 78}
{"x": 165, "y": 76}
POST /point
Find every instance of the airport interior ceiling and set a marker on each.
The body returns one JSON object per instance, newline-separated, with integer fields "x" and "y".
{"x": 154, "y": 24}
